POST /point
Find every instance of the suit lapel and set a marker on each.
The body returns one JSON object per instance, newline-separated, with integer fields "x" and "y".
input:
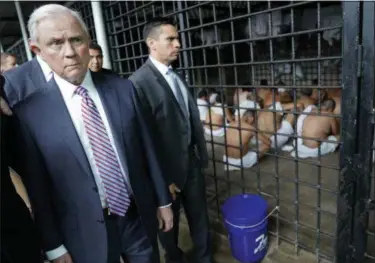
{"x": 63, "y": 125}
{"x": 36, "y": 74}
{"x": 111, "y": 106}
{"x": 161, "y": 80}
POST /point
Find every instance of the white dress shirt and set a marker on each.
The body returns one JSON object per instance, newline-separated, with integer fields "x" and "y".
{"x": 47, "y": 71}
{"x": 163, "y": 69}
{"x": 73, "y": 104}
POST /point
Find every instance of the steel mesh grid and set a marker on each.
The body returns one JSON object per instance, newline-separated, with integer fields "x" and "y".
{"x": 18, "y": 49}
{"x": 84, "y": 8}
{"x": 230, "y": 60}
{"x": 125, "y": 21}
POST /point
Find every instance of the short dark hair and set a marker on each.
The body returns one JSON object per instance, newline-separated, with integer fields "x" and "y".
{"x": 249, "y": 113}
{"x": 221, "y": 98}
{"x": 202, "y": 93}
{"x": 306, "y": 91}
{"x": 150, "y": 29}
{"x": 4, "y": 56}
{"x": 95, "y": 46}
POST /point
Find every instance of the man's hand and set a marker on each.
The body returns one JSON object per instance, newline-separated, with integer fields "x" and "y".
{"x": 63, "y": 259}
{"x": 173, "y": 189}
{"x": 165, "y": 218}
{"x": 5, "y": 107}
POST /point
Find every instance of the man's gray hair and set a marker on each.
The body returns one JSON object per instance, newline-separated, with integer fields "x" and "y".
{"x": 50, "y": 10}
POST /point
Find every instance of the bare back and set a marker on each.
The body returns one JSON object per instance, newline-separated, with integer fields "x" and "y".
{"x": 306, "y": 101}
{"x": 317, "y": 127}
{"x": 216, "y": 120}
{"x": 269, "y": 121}
{"x": 238, "y": 139}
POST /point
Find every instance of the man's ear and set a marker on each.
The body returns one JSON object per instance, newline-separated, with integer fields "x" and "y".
{"x": 34, "y": 47}
{"x": 150, "y": 43}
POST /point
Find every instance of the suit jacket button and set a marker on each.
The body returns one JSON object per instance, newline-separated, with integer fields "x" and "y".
{"x": 100, "y": 221}
{"x": 95, "y": 189}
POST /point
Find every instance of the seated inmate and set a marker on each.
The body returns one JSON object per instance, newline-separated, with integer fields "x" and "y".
{"x": 248, "y": 101}
{"x": 315, "y": 127}
{"x": 312, "y": 96}
{"x": 238, "y": 135}
{"x": 202, "y": 103}
{"x": 273, "y": 124}
{"x": 240, "y": 95}
{"x": 216, "y": 117}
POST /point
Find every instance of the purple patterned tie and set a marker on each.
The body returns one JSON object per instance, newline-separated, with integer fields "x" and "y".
{"x": 116, "y": 191}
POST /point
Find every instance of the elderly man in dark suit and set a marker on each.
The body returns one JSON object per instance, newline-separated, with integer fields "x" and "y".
{"x": 178, "y": 134}
{"x": 89, "y": 163}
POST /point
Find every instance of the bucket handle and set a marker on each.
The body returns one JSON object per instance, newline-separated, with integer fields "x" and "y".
{"x": 261, "y": 222}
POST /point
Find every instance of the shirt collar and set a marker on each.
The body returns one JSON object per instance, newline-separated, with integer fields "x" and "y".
{"x": 160, "y": 66}
{"x": 68, "y": 89}
{"x": 47, "y": 71}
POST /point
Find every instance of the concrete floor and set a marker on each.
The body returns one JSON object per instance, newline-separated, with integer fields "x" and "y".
{"x": 291, "y": 185}
{"x": 300, "y": 188}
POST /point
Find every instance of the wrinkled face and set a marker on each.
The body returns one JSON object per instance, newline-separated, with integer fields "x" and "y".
{"x": 96, "y": 60}
{"x": 166, "y": 47}
{"x": 63, "y": 44}
{"x": 10, "y": 62}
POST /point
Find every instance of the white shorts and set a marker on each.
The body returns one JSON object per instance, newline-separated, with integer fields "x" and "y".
{"x": 248, "y": 160}
{"x": 325, "y": 148}
{"x": 285, "y": 128}
{"x": 217, "y": 133}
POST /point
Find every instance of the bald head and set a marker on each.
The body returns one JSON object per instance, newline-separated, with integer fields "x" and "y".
{"x": 328, "y": 105}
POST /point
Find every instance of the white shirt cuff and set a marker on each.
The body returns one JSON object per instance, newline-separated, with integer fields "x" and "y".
{"x": 165, "y": 206}
{"x": 56, "y": 253}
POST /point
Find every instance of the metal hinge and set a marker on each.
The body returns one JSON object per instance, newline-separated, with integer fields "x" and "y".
{"x": 360, "y": 64}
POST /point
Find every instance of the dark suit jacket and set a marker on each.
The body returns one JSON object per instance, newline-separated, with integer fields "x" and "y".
{"x": 169, "y": 124}
{"x": 22, "y": 81}
{"x": 58, "y": 176}
{"x": 108, "y": 71}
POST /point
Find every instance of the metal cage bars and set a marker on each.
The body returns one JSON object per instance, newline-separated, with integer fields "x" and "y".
{"x": 220, "y": 62}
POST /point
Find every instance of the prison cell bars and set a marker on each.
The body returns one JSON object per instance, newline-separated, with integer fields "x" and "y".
{"x": 219, "y": 78}
{"x": 133, "y": 9}
{"x": 364, "y": 216}
{"x": 84, "y": 8}
{"x": 18, "y": 49}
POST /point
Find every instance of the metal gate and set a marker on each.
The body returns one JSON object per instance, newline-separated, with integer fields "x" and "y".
{"x": 292, "y": 48}
{"x": 364, "y": 216}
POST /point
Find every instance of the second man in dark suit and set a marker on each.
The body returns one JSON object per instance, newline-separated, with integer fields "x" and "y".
{"x": 178, "y": 134}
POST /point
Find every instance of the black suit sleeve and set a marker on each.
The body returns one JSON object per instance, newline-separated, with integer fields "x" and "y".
{"x": 38, "y": 185}
{"x": 152, "y": 160}
{"x": 149, "y": 111}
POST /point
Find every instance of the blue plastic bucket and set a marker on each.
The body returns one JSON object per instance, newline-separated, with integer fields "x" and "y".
{"x": 246, "y": 221}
